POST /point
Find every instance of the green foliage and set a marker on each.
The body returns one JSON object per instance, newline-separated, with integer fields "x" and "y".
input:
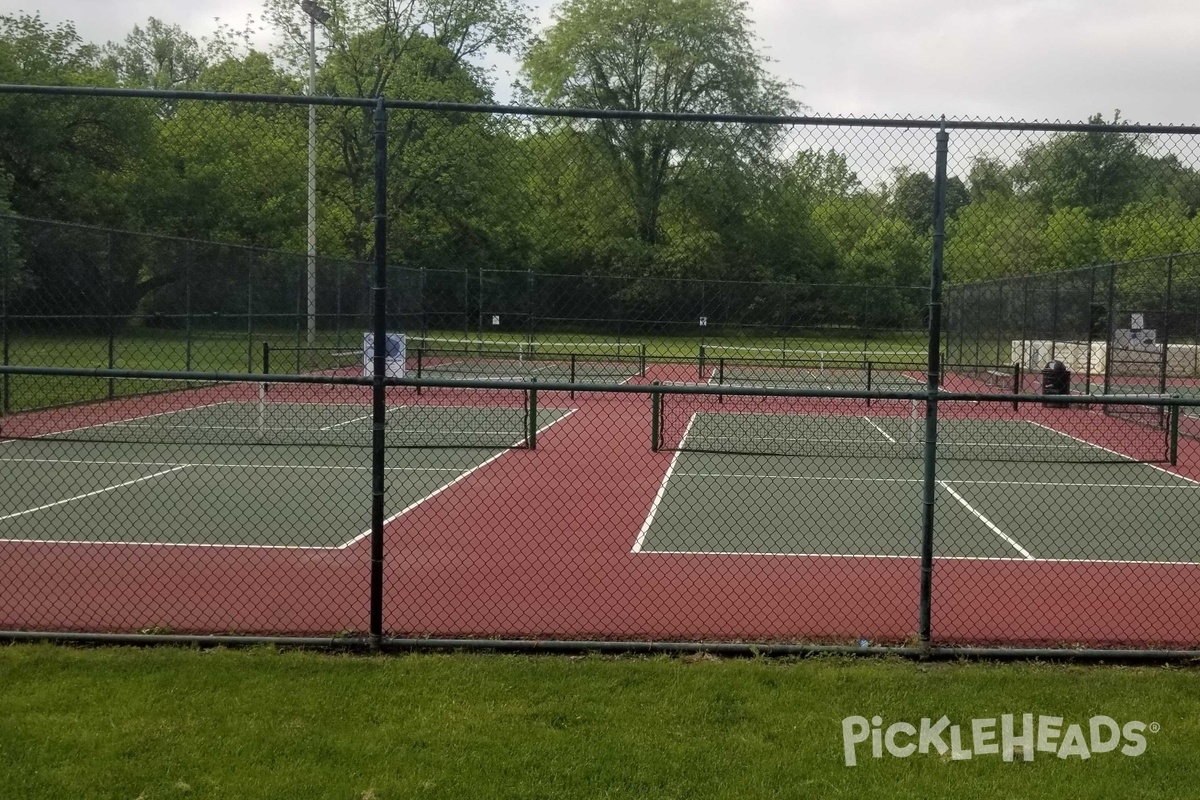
{"x": 646, "y": 199}
{"x": 664, "y": 55}
{"x": 1100, "y": 171}
{"x": 158, "y": 56}
{"x": 996, "y": 237}
{"x": 913, "y": 195}
{"x": 1146, "y": 229}
{"x": 1070, "y": 238}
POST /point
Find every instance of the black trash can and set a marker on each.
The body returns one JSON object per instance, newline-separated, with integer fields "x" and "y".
{"x": 1056, "y": 380}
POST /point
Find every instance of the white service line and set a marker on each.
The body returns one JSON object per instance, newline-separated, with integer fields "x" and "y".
{"x": 360, "y": 419}
{"x": 1115, "y": 453}
{"x": 991, "y": 525}
{"x": 881, "y": 430}
{"x": 93, "y": 494}
{"x": 662, "y": 490}
{"x": 459, "y": 479}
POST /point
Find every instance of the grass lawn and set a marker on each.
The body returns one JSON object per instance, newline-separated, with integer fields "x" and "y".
{"x": 167, "y": 723}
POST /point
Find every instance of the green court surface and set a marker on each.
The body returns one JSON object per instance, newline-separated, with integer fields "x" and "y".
{"x": 114, "y": 483}
{"x": 867, "y": 504}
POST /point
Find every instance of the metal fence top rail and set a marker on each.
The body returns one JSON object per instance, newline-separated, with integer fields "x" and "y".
{"x": 920, "y": 395}
{"x": 594, "y": 113}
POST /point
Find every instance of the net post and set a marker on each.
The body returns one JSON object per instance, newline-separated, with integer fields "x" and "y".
{"x": 1173, "y": 434}
{"x": 655, "y": 419}
{"x": 721, "y": 377}
{"x": 572, "y": 374}
{"x": 420, "y": 365}
{"x": 642, "y": 360}
{"x": 700, "y": 373}
{"x": 870, "y": 370}
{"x": 1017, "y": 382}
{"x": 533, "y": 413}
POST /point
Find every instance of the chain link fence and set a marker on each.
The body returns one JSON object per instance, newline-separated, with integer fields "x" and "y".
{"x": 535, "y": 385}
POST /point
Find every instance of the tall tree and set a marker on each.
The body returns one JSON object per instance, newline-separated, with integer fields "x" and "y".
{"x": 62, "y": 153}
{"x": 376, "y": 40}
{"x": 658, "y": 55}
{"x": 403, "y": 49}
{"x": 1098, "y": 170}
{"x": 158, "y": 56}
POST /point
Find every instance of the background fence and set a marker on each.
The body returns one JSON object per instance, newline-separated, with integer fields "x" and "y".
{"x": 713, "y": 404}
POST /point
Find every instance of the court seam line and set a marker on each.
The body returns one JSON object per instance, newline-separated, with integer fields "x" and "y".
{"x": 454, "y": 482}
{"x": 993, "y": 527}
{"x": 1115, "y": 453}
{"x": 662, "y": 488}
{"x": 94, "y": 493}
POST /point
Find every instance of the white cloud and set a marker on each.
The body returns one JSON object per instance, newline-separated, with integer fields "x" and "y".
{"x": 1032, "y": 59}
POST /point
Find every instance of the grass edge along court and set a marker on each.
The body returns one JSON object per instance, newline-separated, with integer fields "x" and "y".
{"x": 170, "y": 722}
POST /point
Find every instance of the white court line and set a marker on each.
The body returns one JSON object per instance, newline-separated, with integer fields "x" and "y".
{"x": 120, "y": 421}
{"x": 1115, "y": 453}
{"x": 886, "y": 435}
{"x": 298, "y": 548}
{"x": 991, "y": 525}
{"x": 884, "y": 557}
{"x": 215, "y": 465}
{"x": 662, "y": 489}
{"x": 93, "y": 494}
{"x": 459, "y": 479}
{"x": 387, "y": 411}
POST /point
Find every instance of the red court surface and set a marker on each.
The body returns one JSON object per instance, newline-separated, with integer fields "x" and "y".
{"x": 541, "y": 544}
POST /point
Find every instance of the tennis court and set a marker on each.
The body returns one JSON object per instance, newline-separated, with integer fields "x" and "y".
{"x": 1010, "y": 489}
{"x": 244, "y": 474}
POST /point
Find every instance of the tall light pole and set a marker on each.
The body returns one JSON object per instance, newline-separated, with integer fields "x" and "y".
{"x": 316, "y": 14}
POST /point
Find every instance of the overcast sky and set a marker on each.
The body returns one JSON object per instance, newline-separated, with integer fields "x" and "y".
{"x": 999, "y": 59}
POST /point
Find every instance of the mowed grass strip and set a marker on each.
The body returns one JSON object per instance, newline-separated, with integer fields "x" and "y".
{"x": 166, "y": 723}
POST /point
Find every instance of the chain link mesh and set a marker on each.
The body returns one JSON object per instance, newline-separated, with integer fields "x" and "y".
{"x": 686, "y": 398}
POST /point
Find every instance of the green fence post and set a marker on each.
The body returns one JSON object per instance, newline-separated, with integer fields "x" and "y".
{"x": 929, "y": 498}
